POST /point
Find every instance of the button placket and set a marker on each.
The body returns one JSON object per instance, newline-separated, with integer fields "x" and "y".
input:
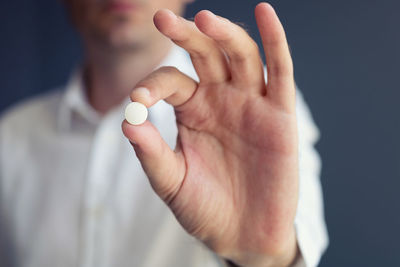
{"x": 101, "y": 169}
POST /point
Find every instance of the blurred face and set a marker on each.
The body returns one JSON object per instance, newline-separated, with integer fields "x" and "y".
{"x": 119, "y": 23}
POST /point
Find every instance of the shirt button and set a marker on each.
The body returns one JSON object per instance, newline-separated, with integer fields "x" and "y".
{"x": 98, "y": 212}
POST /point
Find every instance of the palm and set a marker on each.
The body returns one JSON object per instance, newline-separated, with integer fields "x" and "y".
{"x": 238, "y": 163}
{"x": 232, "y": 179}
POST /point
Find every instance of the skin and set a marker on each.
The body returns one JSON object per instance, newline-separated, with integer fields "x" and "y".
{"x": 232, "y": 180}
{"x": 121, "y": 46}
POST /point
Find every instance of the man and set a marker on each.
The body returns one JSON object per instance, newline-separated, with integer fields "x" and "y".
{"x": 72, "y": 193}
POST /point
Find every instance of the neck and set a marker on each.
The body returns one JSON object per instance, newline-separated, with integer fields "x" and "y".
{"x": 111, "y": 75}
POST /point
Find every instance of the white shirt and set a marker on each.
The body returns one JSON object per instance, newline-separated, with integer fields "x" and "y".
{"x": 73, "y": 193}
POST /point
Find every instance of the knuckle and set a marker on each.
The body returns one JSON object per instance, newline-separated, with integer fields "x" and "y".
{"x": 203, "y": 53}
{"x": 253, "y": 45}
{"x": 157, "y": 77}
{"x": 243, "y": 47}
{"x": 280, "y": 70}
{"x": 166, "y": 70}
{"x": 250, "y": 51}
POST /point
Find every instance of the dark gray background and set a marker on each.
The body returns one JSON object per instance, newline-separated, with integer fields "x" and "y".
{"x": 346, "y": 56}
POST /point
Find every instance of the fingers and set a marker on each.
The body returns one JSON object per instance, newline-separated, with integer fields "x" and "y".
{"x": 212, "y": 34}
{"x": 209, "y": 42}
{"x": 279, "y": 62}
{"x": 166, "y": 83}
{"x": 244, "y": 57}
{"x": 164, "y": 168}
{"x": 208, "y": 60}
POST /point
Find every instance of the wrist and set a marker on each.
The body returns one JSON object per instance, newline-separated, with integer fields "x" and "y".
{"x": 285, "y": 256}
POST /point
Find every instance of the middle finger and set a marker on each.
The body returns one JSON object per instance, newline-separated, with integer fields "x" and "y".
{"x": 208, "y": 59}
{"x": 244, "y": 57}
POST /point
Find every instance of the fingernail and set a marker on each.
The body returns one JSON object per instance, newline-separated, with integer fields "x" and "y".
{"x": 170, "y": 12}
{"x": 212, "y": 13}
{"x": 142, "y": 91}
{"x": 222, "y": 18}
{"x": 219, "y": 17}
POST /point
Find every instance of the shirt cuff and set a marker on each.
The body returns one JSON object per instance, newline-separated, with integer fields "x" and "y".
{"x": 299, "y": 262}
{"x": 312, "y": 243}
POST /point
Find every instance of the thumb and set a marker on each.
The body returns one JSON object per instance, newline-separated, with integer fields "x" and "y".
{"x": 164, "y": 167}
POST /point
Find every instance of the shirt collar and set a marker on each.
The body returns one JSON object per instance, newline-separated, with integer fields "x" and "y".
{"x": 74, "y": 102}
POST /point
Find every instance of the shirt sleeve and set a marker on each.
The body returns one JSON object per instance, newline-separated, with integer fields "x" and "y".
{"x": 6, "y": 256}
{"x": 312, "y": 237}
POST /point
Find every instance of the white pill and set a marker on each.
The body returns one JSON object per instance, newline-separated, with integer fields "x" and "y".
{"x": 136, "y": 113}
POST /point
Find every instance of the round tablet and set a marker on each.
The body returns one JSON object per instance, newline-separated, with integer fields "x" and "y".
{"x": 136, "y": 113}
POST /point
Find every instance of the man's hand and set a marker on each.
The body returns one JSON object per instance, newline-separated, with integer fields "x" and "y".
{"x": 232, "y": 181}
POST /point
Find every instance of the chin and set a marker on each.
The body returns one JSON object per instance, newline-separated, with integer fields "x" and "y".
{"x": 125, "y": 40}
{"x": 124, "y": 33}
